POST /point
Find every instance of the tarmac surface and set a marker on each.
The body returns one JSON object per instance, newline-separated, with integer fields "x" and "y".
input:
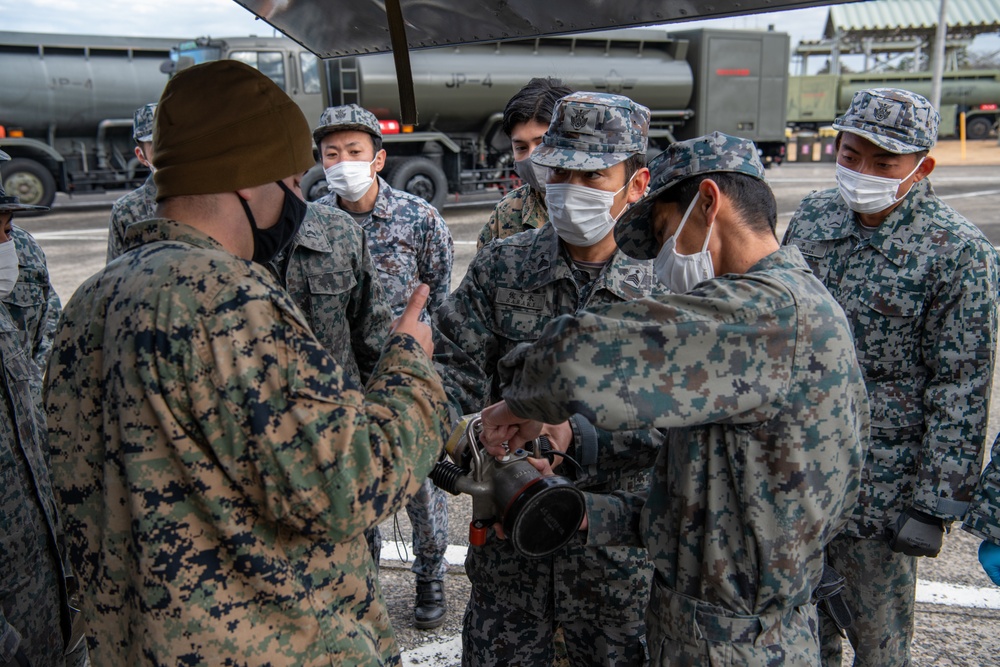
{"x": 958, "y": 622}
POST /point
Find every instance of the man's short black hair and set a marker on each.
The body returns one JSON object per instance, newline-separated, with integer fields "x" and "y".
{"x": 751, "y": 197}
{"x": 534, "y": 102}
{"x": 634, "y": 163}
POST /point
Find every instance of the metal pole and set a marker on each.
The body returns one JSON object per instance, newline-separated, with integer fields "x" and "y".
{"x": 939, "y": 39}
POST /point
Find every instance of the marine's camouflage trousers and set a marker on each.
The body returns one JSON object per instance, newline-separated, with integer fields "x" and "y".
{"x": 428, "y": 512}
{"x": 684, "y": 632}
{"x": 498, "y": 634}
{"x": 881, "y": 585}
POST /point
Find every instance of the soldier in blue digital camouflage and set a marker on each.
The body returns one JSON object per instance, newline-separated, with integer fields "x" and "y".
{"x": 31, "y": 302}
{"x": 218, "y": 468}
{"x": 525, "y": 120}
{"x": 35, "y": 616}
{"x": 595, "y": 594}
{"x": 409, "y": 243}
{"x": 140, "y": 204}
{"x": 751, "y": 367}
{"x": 919, "y": 285}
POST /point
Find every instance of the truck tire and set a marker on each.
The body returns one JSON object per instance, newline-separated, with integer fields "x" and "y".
{"x": 978, "y": 128}
{"x": 421, "y": 177}
{"x": 29, "y": 181}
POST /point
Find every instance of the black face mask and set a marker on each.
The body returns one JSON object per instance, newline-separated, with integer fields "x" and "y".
{"x": 267, "y": 243}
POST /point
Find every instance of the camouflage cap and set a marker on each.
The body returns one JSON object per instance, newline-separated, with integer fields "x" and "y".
{"x": 13, "y": 203}
{"x": 142, "y": 122}
{"x": 895, "y": 120}
{"x": 10, "y": 203}
{"x": 593, "y": 131}
{"x": 716, "y": 152}
{"x": 347, "y": 117}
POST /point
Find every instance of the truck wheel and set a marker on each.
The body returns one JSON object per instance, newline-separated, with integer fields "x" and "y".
{"x": 28, "y": 181}
{"x": 314, "y": 184}
{"x": 978, "y": 128}
{"x": 421, "y": 177}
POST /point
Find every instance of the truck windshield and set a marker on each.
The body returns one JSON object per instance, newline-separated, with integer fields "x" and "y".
{"x": 199, "y": 54}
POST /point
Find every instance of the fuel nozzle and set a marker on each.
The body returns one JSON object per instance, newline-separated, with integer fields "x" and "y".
{"x": 539, "y": 513}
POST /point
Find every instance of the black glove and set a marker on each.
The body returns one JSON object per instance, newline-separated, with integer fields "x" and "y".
{"x": 915, "y": 533}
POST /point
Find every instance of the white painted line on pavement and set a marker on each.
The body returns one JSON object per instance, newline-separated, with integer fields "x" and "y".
{"x": 436, "y": 654}
{"x": 955, "y": 595}
{"x": 71, "y": 235}
{"x": 465, "y": 242}
{"x": 970, "y": 194}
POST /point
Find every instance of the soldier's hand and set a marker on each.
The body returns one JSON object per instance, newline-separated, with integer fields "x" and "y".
{"x": 989, "y": 558}
{"x": 409, "y": 322}
{"x": 502, "y": 427}
{"x": 916, "y": 533}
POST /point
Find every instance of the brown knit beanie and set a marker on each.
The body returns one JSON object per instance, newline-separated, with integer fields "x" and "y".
{"x": 222, "y": 126}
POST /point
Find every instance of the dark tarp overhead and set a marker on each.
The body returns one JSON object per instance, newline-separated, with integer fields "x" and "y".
{"x": 352, "y": 27}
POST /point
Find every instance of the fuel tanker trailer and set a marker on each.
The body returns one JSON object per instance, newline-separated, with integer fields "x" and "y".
{"x": 694, "y": 82}
{"x": 66, "y": 104}
{"x": 814, "y": 101}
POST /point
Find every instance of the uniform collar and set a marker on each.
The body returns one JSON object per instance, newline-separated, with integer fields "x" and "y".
{"x": 161, "y": 229}
{"x": 311, "y": 234}
{"x": 382, "y": 208}
{"x": 533, "y": 211}
{"x": 547, "y": 262}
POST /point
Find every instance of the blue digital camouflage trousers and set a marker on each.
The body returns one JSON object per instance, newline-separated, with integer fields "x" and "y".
{"x": 428, "y": 512}
{"x": 881, "y": 585}
{"x": 498, "y": 634}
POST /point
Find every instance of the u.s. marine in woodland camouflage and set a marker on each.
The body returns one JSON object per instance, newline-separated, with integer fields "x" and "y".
{"x": 513, "y": 288}
{"x": 755, "y": 376}
{"x": 218, "y": 467}
{"x": 919, "y": 284}
{"x": 140, "y": 204}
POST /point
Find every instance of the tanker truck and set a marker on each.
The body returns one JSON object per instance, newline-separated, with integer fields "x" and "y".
{"x": 66, "y": 104}
{"x": 814, "y": 101}
{"x": 694, "y": 82}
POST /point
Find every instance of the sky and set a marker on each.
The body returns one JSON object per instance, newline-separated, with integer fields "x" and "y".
{"x": 225, "y": 18}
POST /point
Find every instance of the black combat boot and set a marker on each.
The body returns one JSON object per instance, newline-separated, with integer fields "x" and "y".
{"x": 429, "y": 609}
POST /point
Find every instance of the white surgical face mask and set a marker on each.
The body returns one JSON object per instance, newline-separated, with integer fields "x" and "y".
{"x": 8, "y": 268}
{"x": 680, "y": 273}
{"x": 350, "y": 179}
{"x": 532, "y": 174}
{"x": 869, "y": 194}
{"x": 581, "y": 215}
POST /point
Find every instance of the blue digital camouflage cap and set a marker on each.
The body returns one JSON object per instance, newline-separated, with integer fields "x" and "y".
{"x": 716, "y": 152}
{"x": 593, "y": 131}
{"x": 346, "y": 117}
{"x": 895, "y": 120}
{"x": 142, "y": 122}
{"x": 14, "y": 203}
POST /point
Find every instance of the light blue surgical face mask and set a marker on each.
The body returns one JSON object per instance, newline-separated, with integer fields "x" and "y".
{"x": 581, "y": 215}
{"x": 680, "y": 273}
{"x": 869, "y": 194}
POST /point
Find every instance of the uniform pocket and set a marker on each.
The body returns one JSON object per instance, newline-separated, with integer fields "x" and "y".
{"x": 331, "y": 282}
